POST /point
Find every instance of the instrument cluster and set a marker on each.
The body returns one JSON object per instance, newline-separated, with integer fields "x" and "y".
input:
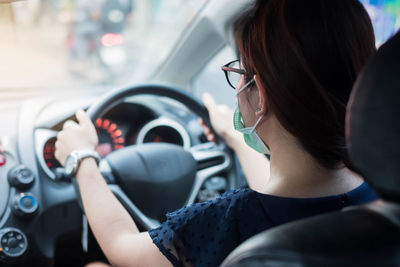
{"x": 125, "y": 125}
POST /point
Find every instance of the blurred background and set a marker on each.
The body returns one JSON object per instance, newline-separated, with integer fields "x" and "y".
{"x": 385, "y": 16}
{"x": 47, "y": 43}
{"x": 78, "y": 43}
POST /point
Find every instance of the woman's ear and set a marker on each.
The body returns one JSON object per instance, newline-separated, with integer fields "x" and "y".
{"x": 262, "y": 96}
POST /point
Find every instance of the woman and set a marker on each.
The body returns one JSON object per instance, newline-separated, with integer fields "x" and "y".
{"x": 299, "y": 60}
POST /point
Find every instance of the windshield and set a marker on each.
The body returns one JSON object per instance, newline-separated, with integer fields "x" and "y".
{"x": 70, "y": 43}
{"x": 82, "y": 43}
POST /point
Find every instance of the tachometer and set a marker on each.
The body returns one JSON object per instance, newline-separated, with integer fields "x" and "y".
{"x": 110, "y": 137}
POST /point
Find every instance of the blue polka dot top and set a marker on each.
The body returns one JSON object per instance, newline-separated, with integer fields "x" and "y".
{"x": 203, "y": 234}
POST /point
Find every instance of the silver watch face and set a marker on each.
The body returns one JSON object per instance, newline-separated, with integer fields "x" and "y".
{"x": 70, "y": 164}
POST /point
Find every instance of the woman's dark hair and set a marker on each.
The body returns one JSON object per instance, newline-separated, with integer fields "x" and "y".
{"x": 307, "y": 55}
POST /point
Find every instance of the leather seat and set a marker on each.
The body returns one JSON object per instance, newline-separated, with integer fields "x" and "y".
{"x": 367, "y": 235}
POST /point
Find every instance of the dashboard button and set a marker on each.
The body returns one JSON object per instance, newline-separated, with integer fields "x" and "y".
{"x": 27, "y": 202}
{"x": 21, "y": 177}
{"x": 24, "y": 205}
{"x": 13, "y": 244}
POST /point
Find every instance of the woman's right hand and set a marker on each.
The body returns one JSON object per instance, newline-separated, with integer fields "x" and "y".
{"x": 255, "y": 165}
{"x": 221, "y": 117}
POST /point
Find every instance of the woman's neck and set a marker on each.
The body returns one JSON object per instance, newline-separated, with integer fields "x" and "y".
{"x": 295, "y": 173}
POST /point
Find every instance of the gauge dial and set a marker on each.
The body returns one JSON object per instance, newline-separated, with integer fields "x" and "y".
{"x": 163, "y": 134}
{"x": 110, "y": 137}
{"x": 48, "y": 153}
{"x": 164, "y": 130}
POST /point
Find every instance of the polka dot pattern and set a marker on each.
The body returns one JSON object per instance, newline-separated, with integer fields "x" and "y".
{"x": 203, "y": 234}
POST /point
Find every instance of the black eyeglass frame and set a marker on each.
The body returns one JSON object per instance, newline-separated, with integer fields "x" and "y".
{"x": 225, "y": 68}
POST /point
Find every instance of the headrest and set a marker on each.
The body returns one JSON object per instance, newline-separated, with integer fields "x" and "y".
{"x": 373, "y": 121}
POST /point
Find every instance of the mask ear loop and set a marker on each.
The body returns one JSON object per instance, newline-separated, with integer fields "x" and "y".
{"x": 244, "y": 87}
{"x": 258, "y": 122}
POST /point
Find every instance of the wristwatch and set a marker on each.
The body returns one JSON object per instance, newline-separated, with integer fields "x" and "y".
{"x": 75, "y": 158}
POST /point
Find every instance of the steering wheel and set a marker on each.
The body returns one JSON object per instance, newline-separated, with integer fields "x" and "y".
{"x": 152, "y": 179}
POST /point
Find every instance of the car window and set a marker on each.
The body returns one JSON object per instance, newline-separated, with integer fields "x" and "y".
{"x": 75, "y": 43}
{"x": 212, "y": 79}
{"x": 385, "y": 16}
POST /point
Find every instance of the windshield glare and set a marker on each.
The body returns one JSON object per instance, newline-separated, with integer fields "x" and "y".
{"x": 70, "y": 43}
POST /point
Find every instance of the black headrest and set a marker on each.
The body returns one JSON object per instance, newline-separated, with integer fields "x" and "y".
{"x": 373, "y": 122}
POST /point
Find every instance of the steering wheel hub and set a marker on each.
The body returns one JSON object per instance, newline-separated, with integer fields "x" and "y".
{"x": 152, "y": 174}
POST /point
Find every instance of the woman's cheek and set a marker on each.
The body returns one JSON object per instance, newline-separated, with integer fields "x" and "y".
{"x": 248, "y": 106}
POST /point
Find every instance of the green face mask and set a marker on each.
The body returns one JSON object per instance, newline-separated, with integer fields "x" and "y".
{"x": 250, "y": 134}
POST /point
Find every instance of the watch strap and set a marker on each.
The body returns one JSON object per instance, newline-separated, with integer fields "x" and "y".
{"x": 87, "y": 153}
{"x": 81, "y": 155}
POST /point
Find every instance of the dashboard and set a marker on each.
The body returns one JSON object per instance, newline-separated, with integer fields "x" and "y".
{"x": 129, "y": 123}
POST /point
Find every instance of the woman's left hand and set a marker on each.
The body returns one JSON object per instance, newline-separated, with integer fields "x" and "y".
{"x": 75, "y": 136}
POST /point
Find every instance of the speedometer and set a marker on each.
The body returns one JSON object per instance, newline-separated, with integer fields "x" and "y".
{"x": 164, "y": 130}
{"x": 163, "y": 134}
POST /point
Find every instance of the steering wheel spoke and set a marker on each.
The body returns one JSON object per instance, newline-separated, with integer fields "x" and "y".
{"x": 106, "y": 171}
{"x": 211, "y": 160}
{"x": 145, "y": 221}
{"x": 139, "y": 217}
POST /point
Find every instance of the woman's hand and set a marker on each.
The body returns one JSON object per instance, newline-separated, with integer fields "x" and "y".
{"x": 75, "y": 136}
{"x": 221, "y": 117}
{"x": 255, "y": 165}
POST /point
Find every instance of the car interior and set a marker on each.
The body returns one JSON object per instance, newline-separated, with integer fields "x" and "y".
{"x": 146, "y": 121}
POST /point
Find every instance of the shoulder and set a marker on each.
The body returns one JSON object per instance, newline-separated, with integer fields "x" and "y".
{"x": 362, "y": 194}
{"x": 226, "y": 200}
{"x": 212, "y": 211}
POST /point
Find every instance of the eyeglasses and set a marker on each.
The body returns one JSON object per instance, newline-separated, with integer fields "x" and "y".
{"x": 233, "y": 72}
